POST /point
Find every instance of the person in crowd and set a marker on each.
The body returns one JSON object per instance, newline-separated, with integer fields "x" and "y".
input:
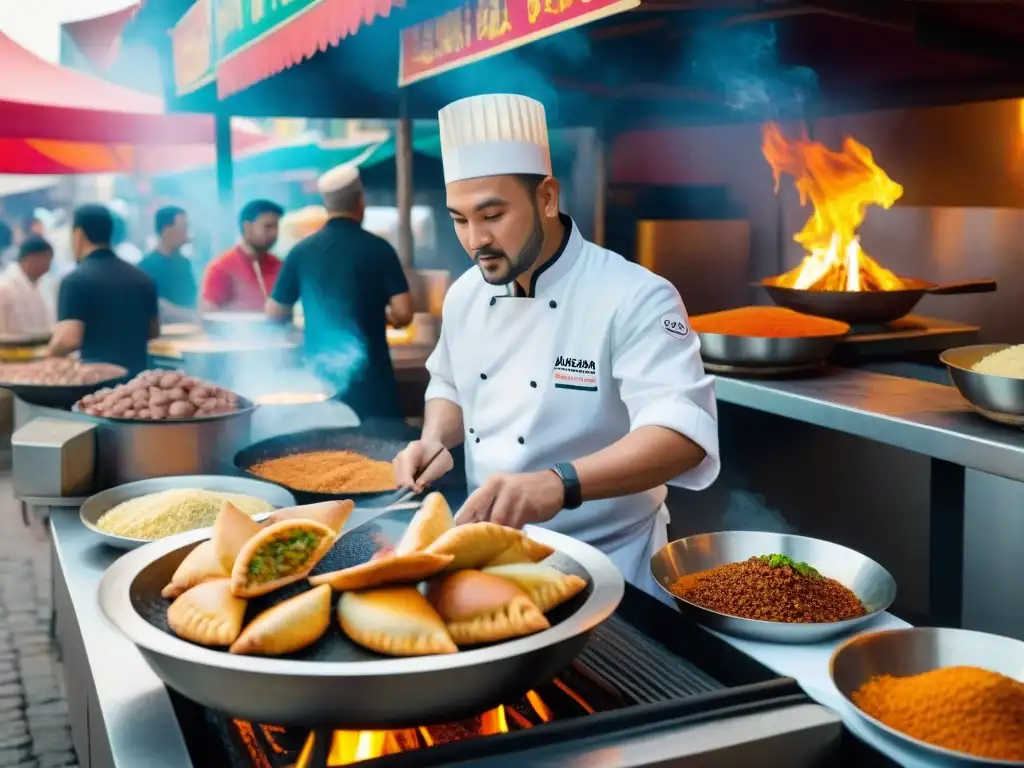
{"x": 242, "y": 279}
{"x": 23, "y": 310}
{"x": 170, "y": 270}
{"x": 351, "y": 284}
{"x": 8, "y": 251}
{"x": 34, "y": 225}
{"x": 106, "y": 308}
{"x": 570, "y": 374}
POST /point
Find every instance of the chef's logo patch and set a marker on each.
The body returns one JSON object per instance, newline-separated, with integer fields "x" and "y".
{"x": 674, "y": 324}
{"x": 575, "y": 373}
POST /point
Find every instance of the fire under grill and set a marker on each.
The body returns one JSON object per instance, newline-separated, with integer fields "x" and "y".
{"x": 645, "y": 664}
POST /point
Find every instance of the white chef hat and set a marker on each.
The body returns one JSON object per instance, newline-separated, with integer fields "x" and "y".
{"x": 493, "y": 135}
{"x": 338, "y": 178}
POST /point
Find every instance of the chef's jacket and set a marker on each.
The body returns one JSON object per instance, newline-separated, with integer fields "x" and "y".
{"x": 599, "y": 347}
{"x": 23, "y": 308}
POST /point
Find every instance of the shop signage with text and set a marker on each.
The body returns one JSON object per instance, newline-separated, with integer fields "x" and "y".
{"x": 481, "y": 28}
{"x": 192, "y": 45}
{"x": 241, "y": 22}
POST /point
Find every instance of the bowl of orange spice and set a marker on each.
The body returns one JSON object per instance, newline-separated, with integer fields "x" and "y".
{"x": 768, "y": 337}
{"x": 950, "y": 694}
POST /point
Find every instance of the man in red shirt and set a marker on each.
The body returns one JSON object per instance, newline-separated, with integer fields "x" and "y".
{"x": 242, "y": 279}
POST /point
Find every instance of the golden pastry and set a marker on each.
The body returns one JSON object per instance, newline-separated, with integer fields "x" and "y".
{"x": 432, "y": 519}
{"x": 333, "y": 514}
{"x": 479, "y": 607}
{"x": 547, "y": 587}
{"x": 396, "y": 569}
{"x": 474, "y": 544}
{"x": 396, "y": 621}
{"x": 289, "y": 626}
{"x": 526, "y": 550}
{"x": 280, "y": 554}
{"x": 207, "y": 614}
{"x": 199, "y": 565}
{"x": 231, "y": 530}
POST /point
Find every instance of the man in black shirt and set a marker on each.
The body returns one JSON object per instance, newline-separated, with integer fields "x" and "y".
{"x": 351, "y": 285}
{"x": 107, "y": 308}
{"x": 172, "y": 272}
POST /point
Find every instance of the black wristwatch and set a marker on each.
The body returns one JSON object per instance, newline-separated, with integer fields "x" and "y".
{"x": 570, "y": 483}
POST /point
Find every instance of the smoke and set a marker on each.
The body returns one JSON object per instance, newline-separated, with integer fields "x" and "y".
{"x": 743, "y": 64}
{"x": 748, "y": 512}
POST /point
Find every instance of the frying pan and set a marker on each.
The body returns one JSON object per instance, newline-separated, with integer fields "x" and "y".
{"x": 379, "y": 440}
{"x": 336, "y": 683}
{"x": 867, "y": 307}
{"x": 58, "y": 396}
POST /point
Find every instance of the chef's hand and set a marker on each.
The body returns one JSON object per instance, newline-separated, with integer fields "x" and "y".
{"x": 515, "y": 500}
{"x": 414, "y": 458}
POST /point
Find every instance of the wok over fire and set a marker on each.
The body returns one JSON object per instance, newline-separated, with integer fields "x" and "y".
{"x": 840, "y": 186}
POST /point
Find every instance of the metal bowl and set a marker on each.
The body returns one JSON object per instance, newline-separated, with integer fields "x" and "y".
{"x": 986, "y": 392}
{"x": 874, "y": 585}
{"x": 905, "y": 652}
{"x": 97, "y": 506}
{"x": 336, "y": 683}
{"x": 756, "y": 351}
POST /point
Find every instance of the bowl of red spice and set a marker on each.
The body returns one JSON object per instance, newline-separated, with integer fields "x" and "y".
{"x": 950, "y": 694}
{"x": 773, "y": 587}
{"x": 773, "y": 337}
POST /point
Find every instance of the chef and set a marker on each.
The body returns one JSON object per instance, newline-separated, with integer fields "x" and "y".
{"x": 571, "y": 374}
{"x": 23, "y": 309}
{"x": 351, "y": 285}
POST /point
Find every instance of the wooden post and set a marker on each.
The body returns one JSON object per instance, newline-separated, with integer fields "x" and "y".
{"x": 403, "y": 181}
{"x": 601, "y": 155}
{"x": 226, "y": 231}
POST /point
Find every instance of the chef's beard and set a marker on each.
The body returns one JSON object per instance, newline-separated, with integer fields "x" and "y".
{"x": 515, "y": 267}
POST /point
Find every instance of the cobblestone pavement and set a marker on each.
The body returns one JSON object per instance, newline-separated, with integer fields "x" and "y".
{"x": 34, "y": 727}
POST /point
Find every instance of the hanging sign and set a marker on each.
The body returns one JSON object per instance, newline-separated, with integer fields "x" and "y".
{"x": 193, "y": 48}
{"x": 242, "y": 22}
{"x": 478, "y": 29}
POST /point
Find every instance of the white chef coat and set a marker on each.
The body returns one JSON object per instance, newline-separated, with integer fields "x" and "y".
{"x": 23, "y": 308}
{"x": 603, "y": 347}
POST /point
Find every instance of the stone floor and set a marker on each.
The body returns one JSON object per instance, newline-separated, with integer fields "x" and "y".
{"x": 34, "y": 727}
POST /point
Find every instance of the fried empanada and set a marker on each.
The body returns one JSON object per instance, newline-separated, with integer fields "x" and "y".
{"x": 479, "y": 607}
{"x": 526, "y": 550}
{"x": 397, "y": 621}
{"x": 333, "y": 514}
{"x": 432, "y": 519}
{"x": 547, "y": 587}
{"x": 231, "y": 530}
{"x": 474, "y": 544}
{"x": 280, "y": 554}
{"x": 290, "y": 626}
{"x": 199, "y": 565}
{"x": 207, "y": 614}
{"x": 396, "y": 569}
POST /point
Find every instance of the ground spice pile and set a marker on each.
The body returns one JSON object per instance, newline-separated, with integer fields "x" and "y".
{"x": 965, "y": 709}
{"x": 328, "y": 472}
{"x": 770, "y": 588}
{"x": 767, "y": 322}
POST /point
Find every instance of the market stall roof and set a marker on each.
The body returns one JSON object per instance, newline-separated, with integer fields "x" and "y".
{"x": 40, "y": 100}
{"x": 684, "y": 61}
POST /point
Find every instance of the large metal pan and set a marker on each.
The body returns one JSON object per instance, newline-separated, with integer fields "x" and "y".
{"x": 336, "y": 683}
{"x": 874, "y": 585}
{"x": 999, "y": 398}
{"x": 98, "y": 505}
{"x": 380, "y": 440}
{"x": 867, "y": 307}
{"x": 58, "y": 396}
{"x": 905, "y": 652}
{"x": 758, "y": 352}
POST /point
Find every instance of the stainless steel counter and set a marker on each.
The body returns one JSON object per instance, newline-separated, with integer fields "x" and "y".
{"x": 925, "y": 418}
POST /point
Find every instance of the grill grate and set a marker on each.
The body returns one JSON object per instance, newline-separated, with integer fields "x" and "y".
{"x": 639, "y": 667}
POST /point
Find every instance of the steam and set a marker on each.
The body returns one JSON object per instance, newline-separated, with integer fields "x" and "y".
{"x": 743, "y": 63}
{"x": 748, "y": 512}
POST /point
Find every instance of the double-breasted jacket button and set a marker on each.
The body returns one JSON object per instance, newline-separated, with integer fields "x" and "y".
{"x": 521, "y": 441}
{"x": 478, "y": 440}
{"x": 483, "y": 375}
{"x": 533, "y": 384}
{"x": 552, "y": 303}
{"x": 471, "y": 430}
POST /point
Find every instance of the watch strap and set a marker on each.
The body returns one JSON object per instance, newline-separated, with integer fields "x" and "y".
{"x": 570, "y": 484}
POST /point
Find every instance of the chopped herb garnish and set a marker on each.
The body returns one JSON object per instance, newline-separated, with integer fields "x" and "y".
{"x": 778, "y": 561}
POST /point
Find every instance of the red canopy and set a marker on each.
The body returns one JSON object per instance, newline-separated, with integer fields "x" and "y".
{"x": 99, "y": 38}
{"x": 40, "y": 100}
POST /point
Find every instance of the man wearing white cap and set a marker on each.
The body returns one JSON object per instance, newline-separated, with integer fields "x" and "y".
{"x": 351, "y": 284}
{"x": 570, "y": 374}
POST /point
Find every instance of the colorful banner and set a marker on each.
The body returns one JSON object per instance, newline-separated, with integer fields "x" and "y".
{"x": 193, "y": 48}
{"x": 240, "y": 23}
{"x": 481, "y": 28}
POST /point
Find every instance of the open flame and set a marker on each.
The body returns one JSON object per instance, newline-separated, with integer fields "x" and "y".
{"x": 840, "y": 186}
